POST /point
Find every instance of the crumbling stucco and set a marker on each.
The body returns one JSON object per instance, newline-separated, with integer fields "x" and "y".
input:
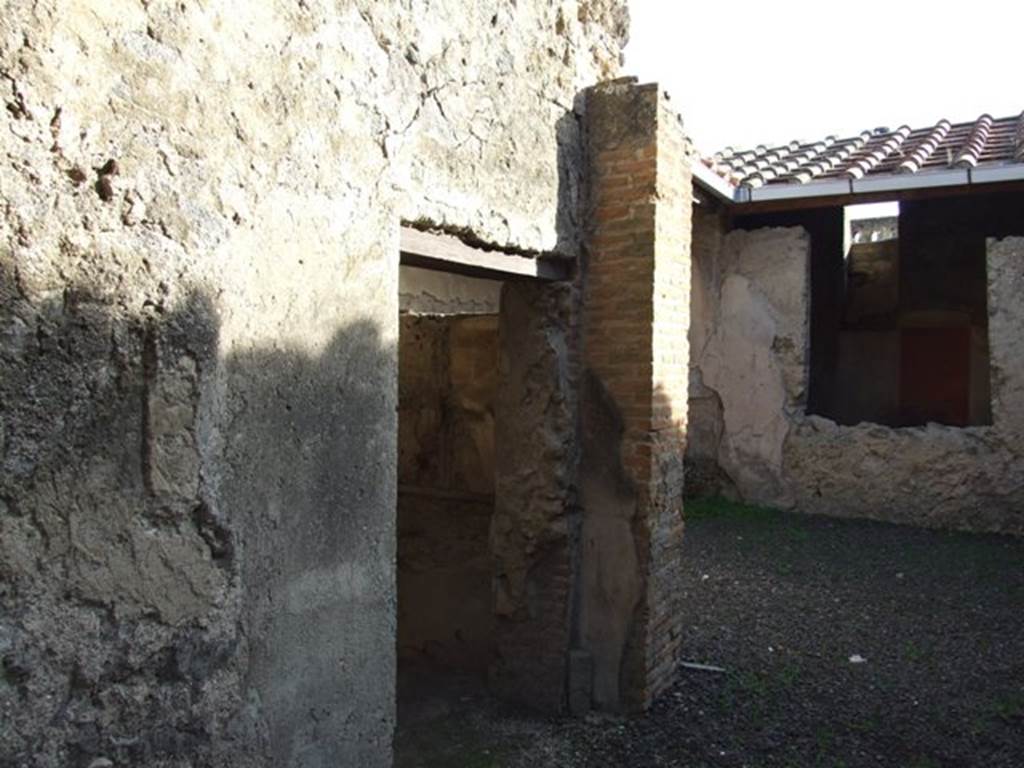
{"x": 535, "y": 516}
{"x": 429, "y": 292}
{"x": 751, "y": 353}
{"x": 198, "y": 267}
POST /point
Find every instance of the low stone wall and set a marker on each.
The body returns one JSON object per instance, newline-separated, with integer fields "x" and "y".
{"x": 970, "y": 478}
{"x": 751, "y": 355}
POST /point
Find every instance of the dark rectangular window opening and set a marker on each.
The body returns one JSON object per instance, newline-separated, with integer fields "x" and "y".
{"x": 911, "y": 344}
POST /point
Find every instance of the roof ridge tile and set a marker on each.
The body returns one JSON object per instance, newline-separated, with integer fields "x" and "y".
{"x": 975, "y": 143}
{"x": 984, "y": 142}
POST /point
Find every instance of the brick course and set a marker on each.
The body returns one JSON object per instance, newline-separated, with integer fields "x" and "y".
{"x": 635, "y": 324}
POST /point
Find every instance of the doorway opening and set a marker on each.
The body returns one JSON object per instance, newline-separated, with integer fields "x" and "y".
{"x": 482, "y": 421}
{"x": 447, "y": 386}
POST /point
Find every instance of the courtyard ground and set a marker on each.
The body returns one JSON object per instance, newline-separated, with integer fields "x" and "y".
{"x": 844, "y": 644}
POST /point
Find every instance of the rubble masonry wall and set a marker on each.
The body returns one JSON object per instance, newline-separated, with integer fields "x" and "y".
{"x": 198, "y": 330}
{"x": 750, "y": 354}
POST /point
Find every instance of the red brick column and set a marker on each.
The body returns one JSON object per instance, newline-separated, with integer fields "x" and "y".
{"x": 636, "y": 297}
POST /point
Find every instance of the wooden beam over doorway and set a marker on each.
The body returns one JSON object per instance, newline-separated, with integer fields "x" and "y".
{"x": 449, "y": 254}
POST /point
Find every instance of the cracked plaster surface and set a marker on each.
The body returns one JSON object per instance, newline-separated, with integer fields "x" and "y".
{"x": 198, "y": 313}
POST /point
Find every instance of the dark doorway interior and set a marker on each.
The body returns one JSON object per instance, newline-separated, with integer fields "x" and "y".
{"x": 447, "y": 384}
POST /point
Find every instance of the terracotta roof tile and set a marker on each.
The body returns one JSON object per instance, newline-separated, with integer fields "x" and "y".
{"x": 986, "y": 141}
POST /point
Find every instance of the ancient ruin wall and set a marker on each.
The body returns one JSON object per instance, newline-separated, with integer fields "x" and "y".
{"x": 754, "y": 358}
{"x": 533, "y": 528}
{"x": 750, "y": 356}
{"x": 198, "y": 268}
{"x": 970, "y": 478}
{"x": 635, "y": 318}
{"x": 704, "y": 477}
{"x": 429, "y": 292}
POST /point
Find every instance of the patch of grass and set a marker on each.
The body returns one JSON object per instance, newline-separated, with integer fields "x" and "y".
{"x": 718, "y": 508}
{"x": 1009, "y": 707}
{"x": 750, "y": 692}
{"x": 824, "y": 740}
{"x": 759, "y": 528}
{"x": 789, "y": 675}
{"x": 866, "y": 725}
{"x": 912, "y": 652}
{"x": 798, "y": 534}
{"x": 784, "y": 567}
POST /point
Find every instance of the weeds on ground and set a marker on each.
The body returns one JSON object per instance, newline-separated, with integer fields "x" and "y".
{"x": 718, "y": 507}
{"x": 757, "y": 526}
{"x": 1009, "y": 708}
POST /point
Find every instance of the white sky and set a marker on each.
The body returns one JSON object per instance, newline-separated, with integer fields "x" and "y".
{"x": 747, "y": 72}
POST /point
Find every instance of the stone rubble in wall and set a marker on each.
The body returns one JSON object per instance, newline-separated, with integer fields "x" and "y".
{"x": 940, "y": 476}
{"x": 206, "y": 181}
{"x": 754, "y": 357}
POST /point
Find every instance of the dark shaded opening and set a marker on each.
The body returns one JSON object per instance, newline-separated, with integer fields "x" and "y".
{"x": 899, "y": 311}
{"x": 913, "y": 337}
{"x": 447, "y": 385}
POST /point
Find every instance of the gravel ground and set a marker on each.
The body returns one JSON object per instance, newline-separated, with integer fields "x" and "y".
{"x": 844, "y": 644}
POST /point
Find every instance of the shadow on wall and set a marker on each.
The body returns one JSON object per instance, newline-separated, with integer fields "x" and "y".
{"x": 570, "y": 159}
{"x": 196, "y": 549}
{"x": 535, "y": 526}
{"x": 632, "y": 492}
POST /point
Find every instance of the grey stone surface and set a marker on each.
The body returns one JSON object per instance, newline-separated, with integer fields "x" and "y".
{"x": 198, "y": 308}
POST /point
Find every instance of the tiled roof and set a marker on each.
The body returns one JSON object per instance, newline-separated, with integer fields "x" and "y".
{"x": 983, "y": 143}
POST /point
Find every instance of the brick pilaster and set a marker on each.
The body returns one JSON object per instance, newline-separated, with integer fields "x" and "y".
{"x": 636, "y": 297}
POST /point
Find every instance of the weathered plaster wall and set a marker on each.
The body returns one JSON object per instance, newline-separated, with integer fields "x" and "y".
{"x": 448, "y": 376}
{"x": 198, "y": 262}
{"x": 704, "y": 476}
{"x": 774, "y": 453}
{"x": 429, "y": 292}
{"x": 969, "y": 478}
{"x": 751, "y": 354}
{"x": 533, "y": 534}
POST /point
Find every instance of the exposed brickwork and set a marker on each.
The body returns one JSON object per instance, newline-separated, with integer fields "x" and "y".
{"x": 636, "y": 319}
